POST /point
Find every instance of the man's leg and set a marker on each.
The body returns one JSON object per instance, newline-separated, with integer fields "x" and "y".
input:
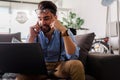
{"x": 72, "y": 68}
{"x": 30, "y": 77}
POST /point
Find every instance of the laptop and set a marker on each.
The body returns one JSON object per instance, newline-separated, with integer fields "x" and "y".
{"x": 24, "y": 58}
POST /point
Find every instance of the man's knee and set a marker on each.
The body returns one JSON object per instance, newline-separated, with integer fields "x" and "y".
{"x": 75, "y": 64}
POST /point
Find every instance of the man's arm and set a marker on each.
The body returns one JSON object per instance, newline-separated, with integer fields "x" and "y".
{"x": 70, "y": 46}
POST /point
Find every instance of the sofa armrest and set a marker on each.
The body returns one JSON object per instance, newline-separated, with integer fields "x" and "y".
{"x": 103, "y": 66}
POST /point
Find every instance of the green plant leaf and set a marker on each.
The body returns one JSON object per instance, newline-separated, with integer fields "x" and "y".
{"x": 65, "y": 20}
{"x": 66, "y": 26}
{"x": 81, "y": 22}
{"x": 78, "y": 21}
{"x": 72, "y": 21}
{"x": 72, "y": 15}
{"x": 61, "y": 22}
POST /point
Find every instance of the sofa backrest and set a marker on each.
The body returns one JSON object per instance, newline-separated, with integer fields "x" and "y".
{"x": 8, "y": 37}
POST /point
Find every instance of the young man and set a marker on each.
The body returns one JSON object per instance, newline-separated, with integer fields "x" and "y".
{"x": 57, "y": 42}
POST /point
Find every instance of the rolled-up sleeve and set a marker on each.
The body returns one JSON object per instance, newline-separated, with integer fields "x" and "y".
{"x": 76, "y": 54}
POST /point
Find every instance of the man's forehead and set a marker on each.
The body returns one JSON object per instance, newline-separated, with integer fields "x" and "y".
{"x": 43, "y": 15}
{"x": 45, "y": 11}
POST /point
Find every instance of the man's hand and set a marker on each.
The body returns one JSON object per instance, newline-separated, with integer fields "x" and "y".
{"x": 57, "y": 25}
{"x": 34, "y": 30}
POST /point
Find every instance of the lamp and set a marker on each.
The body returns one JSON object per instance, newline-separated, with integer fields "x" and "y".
{"x": 108, "y": 3}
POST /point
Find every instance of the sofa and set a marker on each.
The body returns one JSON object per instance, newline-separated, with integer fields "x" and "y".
{"x": 102, "y": 66}
{"x": 9, "y": 37}
{"x": 98, "y": 66}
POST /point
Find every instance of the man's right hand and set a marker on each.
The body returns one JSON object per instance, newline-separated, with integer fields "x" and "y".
{"x": 34, "y": 31}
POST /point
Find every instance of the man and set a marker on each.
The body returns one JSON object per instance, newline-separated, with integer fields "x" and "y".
{"x": 57, "y": 42}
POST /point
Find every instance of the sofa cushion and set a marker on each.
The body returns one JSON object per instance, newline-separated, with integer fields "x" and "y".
{"x": 89, "y": 77}
{"x": 84, "y": 42}
{"x": 103, "y": 66}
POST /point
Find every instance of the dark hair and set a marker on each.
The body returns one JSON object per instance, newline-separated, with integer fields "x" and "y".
{"x": 48, "y": 5}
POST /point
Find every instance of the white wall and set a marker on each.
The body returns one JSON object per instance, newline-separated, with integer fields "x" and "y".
{"x": 8, "y": 20}
{"x": 31, "y": 15}
{"x": 93, "y": 13}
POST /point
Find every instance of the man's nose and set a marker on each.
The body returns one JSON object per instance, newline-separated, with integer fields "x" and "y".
{"x": 43, "y": 22}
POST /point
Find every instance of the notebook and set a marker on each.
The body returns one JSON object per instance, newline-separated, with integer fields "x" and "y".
{"x": 24, "y": 58}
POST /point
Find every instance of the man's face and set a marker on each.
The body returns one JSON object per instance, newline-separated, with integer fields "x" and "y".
{"x": 45, "y": 18}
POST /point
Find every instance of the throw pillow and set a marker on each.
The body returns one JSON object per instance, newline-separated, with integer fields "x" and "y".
{"x": 84, "y": 42}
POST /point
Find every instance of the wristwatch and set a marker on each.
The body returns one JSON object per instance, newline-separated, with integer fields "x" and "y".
{"x": 65, "y": 33}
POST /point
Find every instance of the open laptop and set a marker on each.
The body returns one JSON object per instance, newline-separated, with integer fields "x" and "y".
{"x": 24, "y": 58}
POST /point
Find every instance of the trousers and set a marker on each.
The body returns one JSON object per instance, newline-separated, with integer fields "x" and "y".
{"x": 71, "y": 68}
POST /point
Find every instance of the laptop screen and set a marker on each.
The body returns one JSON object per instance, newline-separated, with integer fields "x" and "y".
{"x": 24, "y": 58}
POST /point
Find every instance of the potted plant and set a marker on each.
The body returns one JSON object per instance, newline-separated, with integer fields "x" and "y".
{"x": 73, "y": 22}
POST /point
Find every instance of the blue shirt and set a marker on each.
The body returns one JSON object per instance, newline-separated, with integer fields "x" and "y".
{"x": 51, "y": 49}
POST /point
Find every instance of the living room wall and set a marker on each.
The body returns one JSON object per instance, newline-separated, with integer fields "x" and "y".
{"x": 91, "y": 11}
{"x": 94, "y": 14}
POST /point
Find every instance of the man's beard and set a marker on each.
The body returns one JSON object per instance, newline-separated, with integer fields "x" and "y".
{"x": 45, "y": 28}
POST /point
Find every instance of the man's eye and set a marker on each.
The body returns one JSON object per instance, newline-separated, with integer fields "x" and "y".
{"x": 47, "y": 18}
{"x": 39, "y": 18}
